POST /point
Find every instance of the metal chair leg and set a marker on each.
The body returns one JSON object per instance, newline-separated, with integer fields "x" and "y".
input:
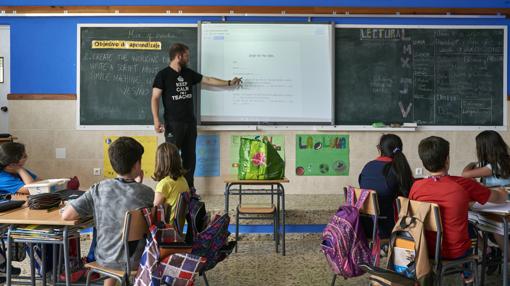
{"x": 205, "y": 279}
{"x": 89, "y": 273}
{"x": 275, "y": 231}
{"x": 237, "y": 227}
{"x": 334, "y": 280}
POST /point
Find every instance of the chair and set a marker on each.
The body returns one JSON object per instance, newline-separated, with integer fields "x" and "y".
{"x": 259, "y": 211}
{"x": 442, "y": 267}
{"x": 370, "y": 208}
{"x": 135, "y": 228}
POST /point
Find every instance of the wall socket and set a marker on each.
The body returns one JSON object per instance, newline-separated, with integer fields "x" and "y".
{"x": 418, "y": 172}
{"x": 97, "y": 171}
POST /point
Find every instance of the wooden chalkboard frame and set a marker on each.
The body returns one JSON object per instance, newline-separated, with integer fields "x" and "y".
{"x": 80, "y": 126}
{"x": 441, "y": 128}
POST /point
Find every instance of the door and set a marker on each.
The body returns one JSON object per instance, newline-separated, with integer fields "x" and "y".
{"x": 5, "y": 78}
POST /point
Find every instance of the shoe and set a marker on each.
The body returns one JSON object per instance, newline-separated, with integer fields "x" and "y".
{"x": 80, "y": 274}
{"x": 15, "y": 271}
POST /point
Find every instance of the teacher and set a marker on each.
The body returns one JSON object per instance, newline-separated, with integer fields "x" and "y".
{"x": 174, "y": 83}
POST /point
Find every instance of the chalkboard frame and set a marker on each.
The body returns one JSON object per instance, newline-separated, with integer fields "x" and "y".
{"x": 80, "y": 126}
{"x": 442, "y": 127}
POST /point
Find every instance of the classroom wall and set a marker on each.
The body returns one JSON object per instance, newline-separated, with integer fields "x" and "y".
{"x": 44, "y": 125}
{"x": 43, "y": 56}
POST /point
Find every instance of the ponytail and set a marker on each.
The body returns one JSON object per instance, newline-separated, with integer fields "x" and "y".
{"x": 390, "y": 145}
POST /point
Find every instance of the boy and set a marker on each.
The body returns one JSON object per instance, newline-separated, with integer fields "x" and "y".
{"x": 453, "y": 195}
{"x": 109, "y": 200}
{"x": 13, "y": 176}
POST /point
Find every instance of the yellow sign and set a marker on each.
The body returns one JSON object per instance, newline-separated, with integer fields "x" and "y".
{"x": 125, "y": 45}
{"x": 149, "y": 144}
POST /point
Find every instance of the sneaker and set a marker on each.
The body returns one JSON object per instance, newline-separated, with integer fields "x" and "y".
{"x": 468, "y": 281}
{"x": 80, "y": 274}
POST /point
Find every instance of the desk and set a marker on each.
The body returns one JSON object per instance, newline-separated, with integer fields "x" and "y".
{"x": 500, "y": 213}
{"x": 269, "y": 187}
{"x": 25, "y": 216}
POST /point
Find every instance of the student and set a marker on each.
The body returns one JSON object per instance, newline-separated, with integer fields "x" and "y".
{"x": 13, "y": 175}
{"x": 109, "y": 200}
{"x": 390, "y": 176}
{"x": 493, "y": 164}
{"x": 452, "y": 194}
{"x": 170, "y": 174}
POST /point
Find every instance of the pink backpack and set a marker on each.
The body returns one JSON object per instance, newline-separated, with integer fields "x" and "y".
{"x": 344, "y": 242}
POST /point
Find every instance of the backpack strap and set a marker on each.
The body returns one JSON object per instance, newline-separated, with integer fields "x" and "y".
{"x": 362, "y": 198}
{"x": 147, "y": 214}
{"x": 349, "y": 196}
{"x": 404, "y": 207}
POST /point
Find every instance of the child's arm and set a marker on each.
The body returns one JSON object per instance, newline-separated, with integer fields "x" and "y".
{"x": 470, "y": 171}
{"x": 70, "y": 213}
{"x": 159, "y": 199}
{"x": 25, "y": 176}
{"x": 498, "y": 196}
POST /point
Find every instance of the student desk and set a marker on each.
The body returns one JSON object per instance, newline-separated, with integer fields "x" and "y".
{"x": 26, "y": 216}
{"x": 496, "y": 213}
{"x": 234, "y": 186}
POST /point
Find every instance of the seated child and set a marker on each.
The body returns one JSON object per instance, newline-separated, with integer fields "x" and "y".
{"x": 109, "y": 200}
{"x": 453, "y": 195}
{"x": 13, "y": 175}
{"x": 390, "y": 176}
{"x": 170, "y": 174}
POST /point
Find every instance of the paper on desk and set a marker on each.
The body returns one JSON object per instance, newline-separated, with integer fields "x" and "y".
{"x": 492, "y": 207}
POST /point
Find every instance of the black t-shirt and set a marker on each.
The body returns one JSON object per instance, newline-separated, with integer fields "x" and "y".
{"x": 177, "y": 93}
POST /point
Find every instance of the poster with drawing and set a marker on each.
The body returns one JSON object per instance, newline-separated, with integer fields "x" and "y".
{"x": 322, "y": 155}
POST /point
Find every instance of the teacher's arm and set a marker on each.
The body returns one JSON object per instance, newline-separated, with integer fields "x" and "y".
{"x": 220, "y": 82}
{"x": 156, "y": 95}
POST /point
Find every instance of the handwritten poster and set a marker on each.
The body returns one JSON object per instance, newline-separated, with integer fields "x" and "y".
{"x": 322, "y": 155}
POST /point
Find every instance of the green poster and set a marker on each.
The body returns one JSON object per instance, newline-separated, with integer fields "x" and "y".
{"x": 322, "y": 155}
{"x": 277, "y": 140}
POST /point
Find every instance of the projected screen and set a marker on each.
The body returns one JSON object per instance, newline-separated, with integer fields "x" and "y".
{"x": 286, "y": 69}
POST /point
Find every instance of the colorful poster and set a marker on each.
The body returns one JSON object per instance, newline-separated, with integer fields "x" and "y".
{"x": 150, "y": 143}
{"x": 322, "y": 155}
{"x": 208, "y": 156}
{"x": 277, "y": 140}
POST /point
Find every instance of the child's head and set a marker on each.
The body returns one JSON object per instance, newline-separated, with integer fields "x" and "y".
{"x": 434, "y": 153}
{"x": 389, "y": 145}
{"x": 492, "y": 149}
{"x": 125, "y": 153}
{"x": 168, "y": 162}
{"x": 12, "y": 153}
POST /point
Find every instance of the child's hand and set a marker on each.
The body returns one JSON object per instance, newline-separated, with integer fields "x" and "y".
{"x": 23, "y": 191}
{"x": 471, "y": 165}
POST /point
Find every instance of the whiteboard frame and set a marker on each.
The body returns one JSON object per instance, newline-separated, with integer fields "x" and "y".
{"x": 261, "y": 125}
{"x": 504, "y": 127}
{"x": 79, "y": 126}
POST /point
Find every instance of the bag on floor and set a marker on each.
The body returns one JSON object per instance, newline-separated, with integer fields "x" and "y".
{"x": 259, "y": 160}
{"x": 344, "y": 242}
{"x": 212, "y": 243}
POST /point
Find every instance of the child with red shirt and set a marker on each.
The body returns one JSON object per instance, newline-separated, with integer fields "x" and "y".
{"x": 453, "y": 195}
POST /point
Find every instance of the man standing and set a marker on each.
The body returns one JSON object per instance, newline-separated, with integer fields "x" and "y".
{"x": 175, "y": 83}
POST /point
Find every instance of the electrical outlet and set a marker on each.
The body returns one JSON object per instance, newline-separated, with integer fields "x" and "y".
{"x": 418, "y": 172}
{"x": 97, "y": 171}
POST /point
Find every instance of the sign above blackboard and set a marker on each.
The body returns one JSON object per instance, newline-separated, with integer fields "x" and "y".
{"x": 431, "y": 75}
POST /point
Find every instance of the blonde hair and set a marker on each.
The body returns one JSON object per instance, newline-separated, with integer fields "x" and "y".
{"x": 168, "y": 162}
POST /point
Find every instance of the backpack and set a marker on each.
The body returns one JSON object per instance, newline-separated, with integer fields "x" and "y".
{"x": 212, "y": 243}
{"x": 197, "y": 218}
{"x": 344, "y": 243}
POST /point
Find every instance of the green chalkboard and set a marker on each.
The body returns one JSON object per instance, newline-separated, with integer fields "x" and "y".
{"x": 452, "y": 76}
{"x": 116, "y": 83}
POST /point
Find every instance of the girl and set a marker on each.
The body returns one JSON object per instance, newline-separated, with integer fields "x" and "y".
{"x": 493, "y": 164}
{"x": 170, "y": 174}
{"x": 13, "y": 175}
{"x": 390, "y": 176}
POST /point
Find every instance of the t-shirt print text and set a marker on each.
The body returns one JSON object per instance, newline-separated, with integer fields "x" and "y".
{"x": 182, "y": 89}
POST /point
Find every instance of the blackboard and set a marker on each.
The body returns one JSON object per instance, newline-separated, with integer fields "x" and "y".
{"x": 451, "y": 76}
{"x": 115, "y": 83}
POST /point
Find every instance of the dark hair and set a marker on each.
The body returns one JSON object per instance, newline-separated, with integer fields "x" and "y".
{"x": 11, "y": 152}
{"x": 124, "y": 153}
{"x": 177, "y": 49}
{"x": 433, "y": 152}
{"x": 492, "y": 149}
{"x": 168, "y": 162}
{"x": 390, "y": 145}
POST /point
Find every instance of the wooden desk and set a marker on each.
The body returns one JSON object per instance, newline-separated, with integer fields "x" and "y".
{"x": 26, "y": 216}
{"x": 504, "y": 217}
{"x": 268, "y": 187}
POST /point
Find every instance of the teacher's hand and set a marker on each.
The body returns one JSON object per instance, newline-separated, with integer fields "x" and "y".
{"x": 159, "y": 127}
{"x": 236, "y": 81}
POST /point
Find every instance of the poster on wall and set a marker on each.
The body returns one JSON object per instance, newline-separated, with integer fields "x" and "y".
{"x": 322, "y": 155}
{"x": 149, "y": 144}
{"x": 277, "y": 140}
{"x": 208, "y": 156}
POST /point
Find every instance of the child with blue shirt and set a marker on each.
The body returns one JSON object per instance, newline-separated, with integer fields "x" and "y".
{"x": 13, "y": 175}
